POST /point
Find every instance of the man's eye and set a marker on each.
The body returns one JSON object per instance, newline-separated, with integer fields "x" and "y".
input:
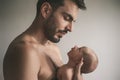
{"x": 67, "y": 18}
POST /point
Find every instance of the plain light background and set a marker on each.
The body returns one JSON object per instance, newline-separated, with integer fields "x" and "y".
{"x": 98, "y": 28}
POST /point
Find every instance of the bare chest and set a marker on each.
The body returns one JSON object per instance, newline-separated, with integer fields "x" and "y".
{"x": 49, "y": 65}
{"x": 48, "y": 70}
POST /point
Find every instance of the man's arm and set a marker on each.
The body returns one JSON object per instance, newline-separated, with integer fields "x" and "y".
{"x": 22, "y": 63}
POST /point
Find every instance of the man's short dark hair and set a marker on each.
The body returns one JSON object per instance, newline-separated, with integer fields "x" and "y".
{"x": 56, "y": 3}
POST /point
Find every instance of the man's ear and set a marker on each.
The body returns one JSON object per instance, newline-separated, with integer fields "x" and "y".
{"x": 46, "y": 10}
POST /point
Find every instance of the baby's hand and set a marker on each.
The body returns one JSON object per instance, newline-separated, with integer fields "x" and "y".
{"x": 77, "y": 72}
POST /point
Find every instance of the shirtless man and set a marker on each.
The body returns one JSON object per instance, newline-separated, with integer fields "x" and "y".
{"x": 84, "y": 57}
{"x": 33, "y": 55}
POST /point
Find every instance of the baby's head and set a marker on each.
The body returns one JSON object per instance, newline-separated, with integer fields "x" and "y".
{"x": 90, "y": 60}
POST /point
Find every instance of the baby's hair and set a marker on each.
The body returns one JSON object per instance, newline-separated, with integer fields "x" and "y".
{"x": 90, "y": 60}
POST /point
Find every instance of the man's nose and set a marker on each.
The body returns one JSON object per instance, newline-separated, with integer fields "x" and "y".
{"x": 69, "y": 27}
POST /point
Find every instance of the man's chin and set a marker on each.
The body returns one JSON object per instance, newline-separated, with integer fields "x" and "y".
{"x": 55, "y": 40}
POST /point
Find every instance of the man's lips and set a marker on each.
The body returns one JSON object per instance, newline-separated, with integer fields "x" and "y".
{"x": 62, "y": 33}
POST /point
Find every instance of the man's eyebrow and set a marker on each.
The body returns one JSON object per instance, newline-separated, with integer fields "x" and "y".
{"x": 69, "y": 16}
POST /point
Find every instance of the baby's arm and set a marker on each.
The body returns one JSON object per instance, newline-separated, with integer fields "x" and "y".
{"x": 70, "y": 73}
{"x": 59, "y": 75}
{"x": 77, "y": 72}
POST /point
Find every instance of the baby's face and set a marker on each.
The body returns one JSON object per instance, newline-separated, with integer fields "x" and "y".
{"x": 75, "y": 55}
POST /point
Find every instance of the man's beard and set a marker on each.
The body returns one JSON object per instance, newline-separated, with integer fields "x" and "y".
{"x": 50, "y": 33}
{"x": 50, "y": 30}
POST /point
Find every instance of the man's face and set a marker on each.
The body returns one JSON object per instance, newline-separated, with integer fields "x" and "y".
{"x": 60, "y": 21}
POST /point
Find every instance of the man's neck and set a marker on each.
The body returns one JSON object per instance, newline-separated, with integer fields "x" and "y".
{"x": 37, "y": 32}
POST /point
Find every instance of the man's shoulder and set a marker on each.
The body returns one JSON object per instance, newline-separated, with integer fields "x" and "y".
{"x": 22, "y": 49}
{"x": 21, "y": 57}
{"x": 21, "y": 45}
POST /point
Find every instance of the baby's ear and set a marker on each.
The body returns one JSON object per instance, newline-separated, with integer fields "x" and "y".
{"x": 46, "y": 10}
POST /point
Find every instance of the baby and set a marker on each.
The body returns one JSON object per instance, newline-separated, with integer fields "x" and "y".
{"x": 83, "y": 56}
